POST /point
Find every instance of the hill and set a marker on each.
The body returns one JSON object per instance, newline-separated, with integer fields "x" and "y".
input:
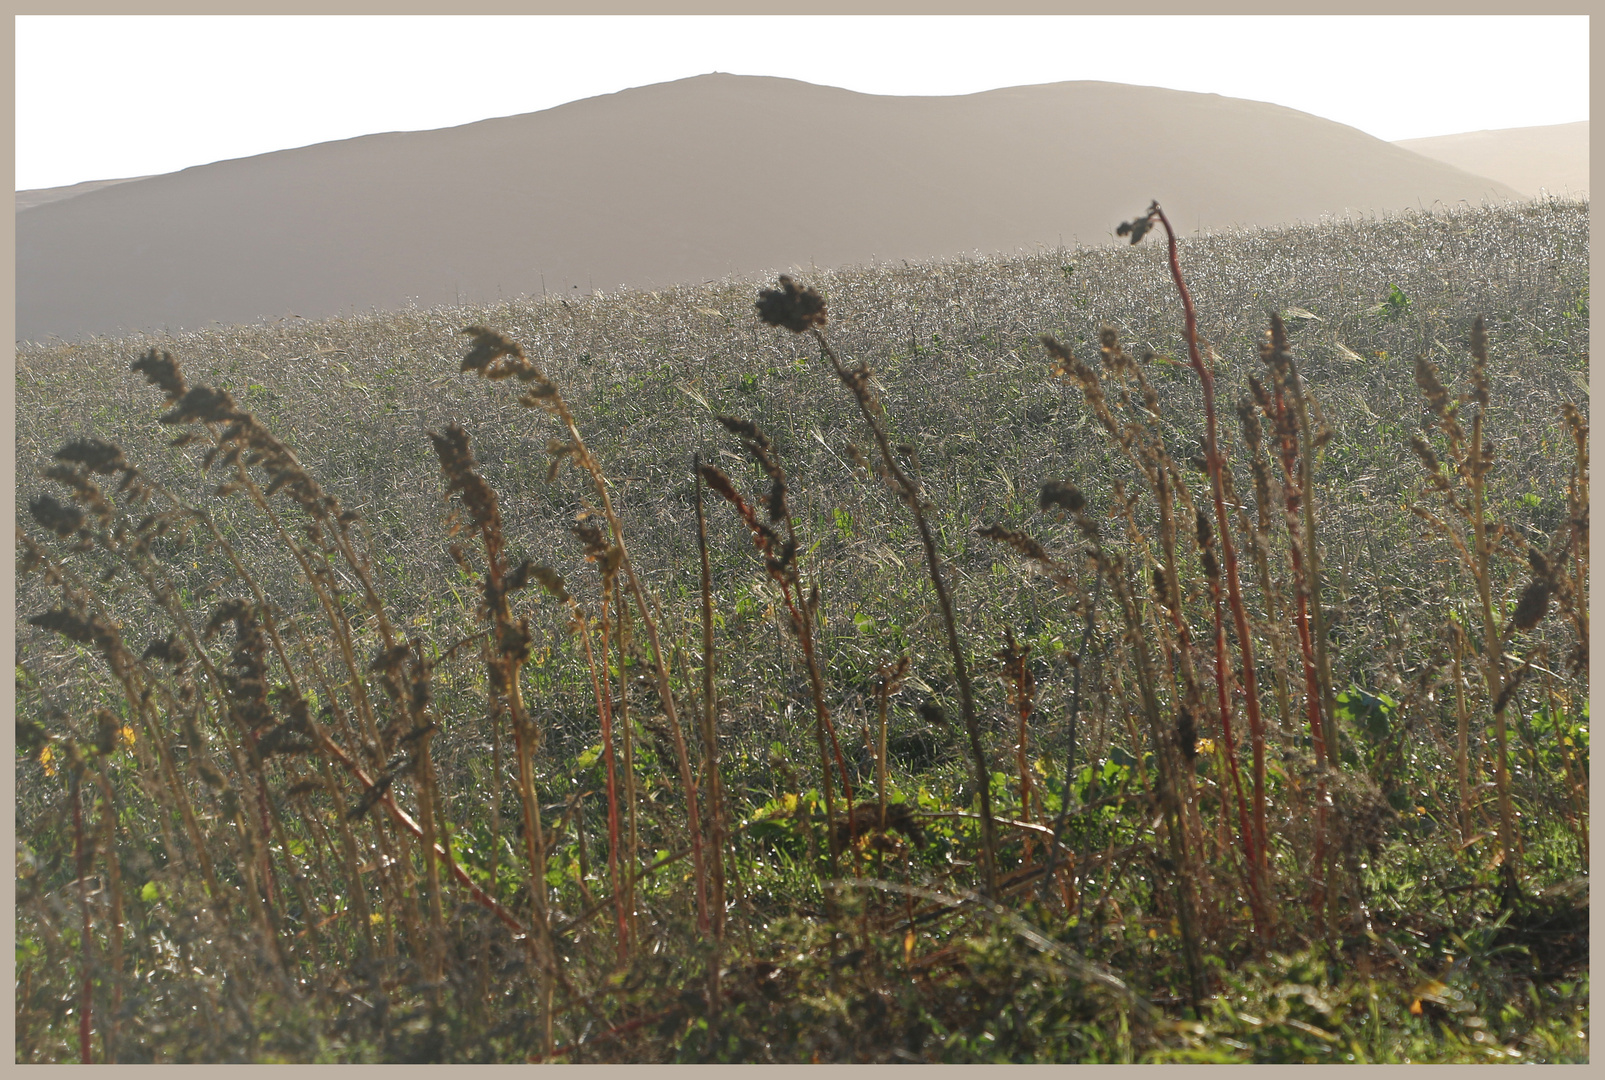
{"x": 684, "y": 182}
{"x": 1552, "y": 158}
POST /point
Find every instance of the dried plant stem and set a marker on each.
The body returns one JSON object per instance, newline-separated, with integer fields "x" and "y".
{"x": 631, "y": 800}
{"x": 1493, "y": 650}
{"x": 114, "y": 931}
{"x": 601, "y": 686}
{"x": 1577, "y": 504}
{"x": 436, "y": 845}
{"x": 1312, "y": 683}
{"x": 140, "y": 705}
{"x": 588, "y": 462}
{"x": 1315, "y": 590}
{"x": 781, "y": 568}
{"x": 1215, "y": 462}
{"x": 1020, "y": 688}
{"x": 86, "y": 997}
{"x": 1164, "y": 759}
{"x": 410, "y": 824}
{"x": 710, "y": 724}
{"x": 1462, "y": 733}
{"x": 908, "y": 490}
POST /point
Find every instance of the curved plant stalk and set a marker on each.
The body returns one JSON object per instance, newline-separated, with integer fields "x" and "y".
{"x": 601, "y": 688}
{"x": 799, "y": 309}
{"x": 498, "y": 357}
{"x": 780, "y": 564}
{"x": 511, "y": 640}
{"x": 1215, "y": 464}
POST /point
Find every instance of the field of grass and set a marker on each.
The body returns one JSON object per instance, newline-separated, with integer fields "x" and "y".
{"x": 938, "y": 677}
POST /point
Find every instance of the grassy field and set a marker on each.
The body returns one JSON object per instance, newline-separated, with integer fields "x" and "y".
{"x": 909, "y": 666}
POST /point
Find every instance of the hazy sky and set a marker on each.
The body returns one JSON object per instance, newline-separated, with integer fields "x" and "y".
{"x": 100, "y": 97}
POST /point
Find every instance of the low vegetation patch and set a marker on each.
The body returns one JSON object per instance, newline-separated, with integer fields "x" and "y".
{"x": 1167, "y": 652}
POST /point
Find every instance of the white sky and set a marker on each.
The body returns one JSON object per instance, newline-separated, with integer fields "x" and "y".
{"x": 101, "y": 97}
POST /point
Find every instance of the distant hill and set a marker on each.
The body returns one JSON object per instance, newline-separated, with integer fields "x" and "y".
{"x": 1553, "y": 158}
{"x": 27, "y": 200}
{"x": 684, "y": 182}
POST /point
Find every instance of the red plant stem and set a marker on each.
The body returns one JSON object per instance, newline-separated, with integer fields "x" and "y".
{"x": 1215, "y": 461}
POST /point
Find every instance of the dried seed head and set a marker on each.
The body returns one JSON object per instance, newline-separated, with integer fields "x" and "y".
{"x": 744, "y": 429}
{"x": 514, "y": 642}
{"x": 1186, "y": 734}
{"x": 1138, "y": 227}
{"x": 495, "y": 356}
{"x": 96, "y": 455}
{"x": 591, "y": 538}
{"x": 1427, "y": 379}
{"x": 457, "y": 462}
{"x": 551, "y": 581}
{"x": 792, "y": 306}
{"x": 1277, "y": 334}
{"x": 1064, "y": 361}
{"x": 1273, "y": 351}
{"x": 1533, "y": 605}
{"x": 86, "y": 630}
{"x": 61, "y": 518}
{"x": 1161, "y": 588}
{"x": 1479, "y": 341}
{"x": 858, "y": 458}
{"x": 716, "y": 479}
{"x": 202, "y": 404}
{"x": 519, "y": 577}
{"x": 391, "y": 658}
{"x": 776, "y": 502}
{"x": 106, "y": 728}
{"x": 1115, "y": 358}
{"x": 1430, "y": 462}
{"x": 1061, "y": 495}
{"x": 160, "y": 369}
{"x": 889, "y": 678}
{"x": 169, "y": 650}
{"x": 1262, "y": 397}
{"x": 1248, "y": 419}
{"x": 1019, "y": 541}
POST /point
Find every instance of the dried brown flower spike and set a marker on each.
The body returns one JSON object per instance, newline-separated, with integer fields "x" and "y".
{"x": 792, "y": 306}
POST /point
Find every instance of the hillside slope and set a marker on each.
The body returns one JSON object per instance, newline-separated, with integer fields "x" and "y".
{"x": 683, "y": 182}
{"x": 1552, "y": 158}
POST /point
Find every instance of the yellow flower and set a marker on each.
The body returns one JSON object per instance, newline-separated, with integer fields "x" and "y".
{"x": 1204, "y": 746}
{"x": 47, "y": 758}
{"x": 127, "y": 732}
